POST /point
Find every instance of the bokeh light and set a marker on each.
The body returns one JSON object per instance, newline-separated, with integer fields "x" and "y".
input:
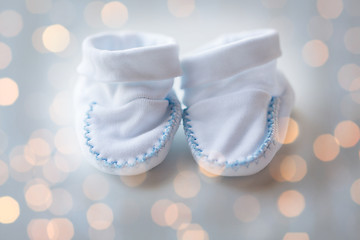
{"x": 37, "y": 42}
{"x": 293, "y": 168}
{"x": 62, "y": 202}
{"x": 247, "y": 208}
{"x": 4, "y": 172}
{"x": 95, "y": 187}
{"x": 315, "y": 53}
{"x": 291, "y": 203}
{"x": 181, "y": 8}
{"x": 9, "y": 91}
{"x": 6, "y": 55}
{"x": 9, "y": 210}
{"x": 11, "y": 23}
{"x": 187, "y": 184}
{"x": 99, "y": 216}
{"x": 37, "y": 229}
{"x": 347, "y": 133}
{"x": 134, "y": 181}
{"x": 53, "y": 174}
{"x": 352, "y": 39}
{"x": 38, "y": 6}
{"x": 291, "y": 133}
{"x": 114, "y": 14}
{"x": 330, "y": 9}
{"x": 178, "y": 216}
{"x": 326, "y": 147}
{"x": 56, "y": 38}
{"x": 158, "y": 211}
{"x": 296, "y": 236}
{"x": 60, "y": 228}
{"x": 349, "y": 77}
{"x": 193, "y": 232}
{"x": 355, "y": 191}
{"x": 38, "y": 197}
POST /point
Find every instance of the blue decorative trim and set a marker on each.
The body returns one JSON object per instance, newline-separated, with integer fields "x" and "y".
{"x": 172, "y": 123}
{"x": 272, "y": 121}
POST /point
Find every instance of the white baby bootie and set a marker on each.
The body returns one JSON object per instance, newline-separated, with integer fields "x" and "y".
{"x": 127, "y": 113}
{"x": 235, "y": 97}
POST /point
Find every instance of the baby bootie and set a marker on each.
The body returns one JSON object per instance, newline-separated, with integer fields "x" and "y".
{"x": 235, "y": 96}
{"x": 127, "y": 112}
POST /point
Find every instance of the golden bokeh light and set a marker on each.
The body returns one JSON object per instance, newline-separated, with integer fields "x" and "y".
{"x": 274, "y": 170}
{"x": 274, "y": 3}
{"x": 204, "y": 172}
{"x": 178, "y": 216}
{"x": 246, "y": 208}
{"x": 38, "y": 147}
{"x": 293, "y": 168}
{"x": 158, "y": 211}
{"x": 9, "y": 91}
{"x": 20, "y": 164}
{"x": 99, "y": 216}
{"x": 193, "y": 232}
{"x": 187, "y": 184}
{"x": 9, "y": 210}
{"x": 38, "y": 6}
{"x": 134, "y": 181}
{"x": 330, "y": 9}
{"x": 181, "y": 8}
{"x": 66, "y": 141}
{"x": 296, "y": 236}
{"x": 37, "y": 229}
{"x": 56, "y": 38}
{"x": 11, "y": 23}
{"x": 315, "y": 53}
{"x": 347, "y": 133}
{"x": 355, "y": 191}
{"x": 4, "y": 172}
{"x": 38, "y": 197}
{"x": 62, "y": 202}
{"x": 326, "y": 147}
{"x": 320, "y": 28}
{"x": 92, "y": 13}
{"x": 114, "y": 14}
{"x": 291, "y": 133}
{"x": 95, "y": 187}
{"x": 6, "y": 55}
{"x": 352, "y": 39}
{"x": 36, "y": 40}
{"x": 349, "y": 77}
{"x": 291, "y": 203}
{"x": 60, "y": 228}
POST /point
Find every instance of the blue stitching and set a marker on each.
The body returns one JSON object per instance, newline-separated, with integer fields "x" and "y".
{"x": 272, "y": 122}
{"x": 155, "y": 149}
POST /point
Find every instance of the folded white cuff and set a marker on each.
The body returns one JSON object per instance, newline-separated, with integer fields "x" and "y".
{"x": 229, "y": 55}
{"x": 129, "y": 56}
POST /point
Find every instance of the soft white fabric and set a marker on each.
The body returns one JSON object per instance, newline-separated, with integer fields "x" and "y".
{"x": 235, "y": 97}
{"x": 127, "y": 113}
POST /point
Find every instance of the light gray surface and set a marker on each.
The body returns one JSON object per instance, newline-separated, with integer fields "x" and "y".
{"x": 321, "y": 103}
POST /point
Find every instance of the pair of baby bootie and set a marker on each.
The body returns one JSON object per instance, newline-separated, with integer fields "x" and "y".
{"x": 128, "y": 114}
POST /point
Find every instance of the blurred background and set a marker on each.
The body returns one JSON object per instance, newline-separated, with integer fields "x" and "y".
{"x": 311, "y": 190}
